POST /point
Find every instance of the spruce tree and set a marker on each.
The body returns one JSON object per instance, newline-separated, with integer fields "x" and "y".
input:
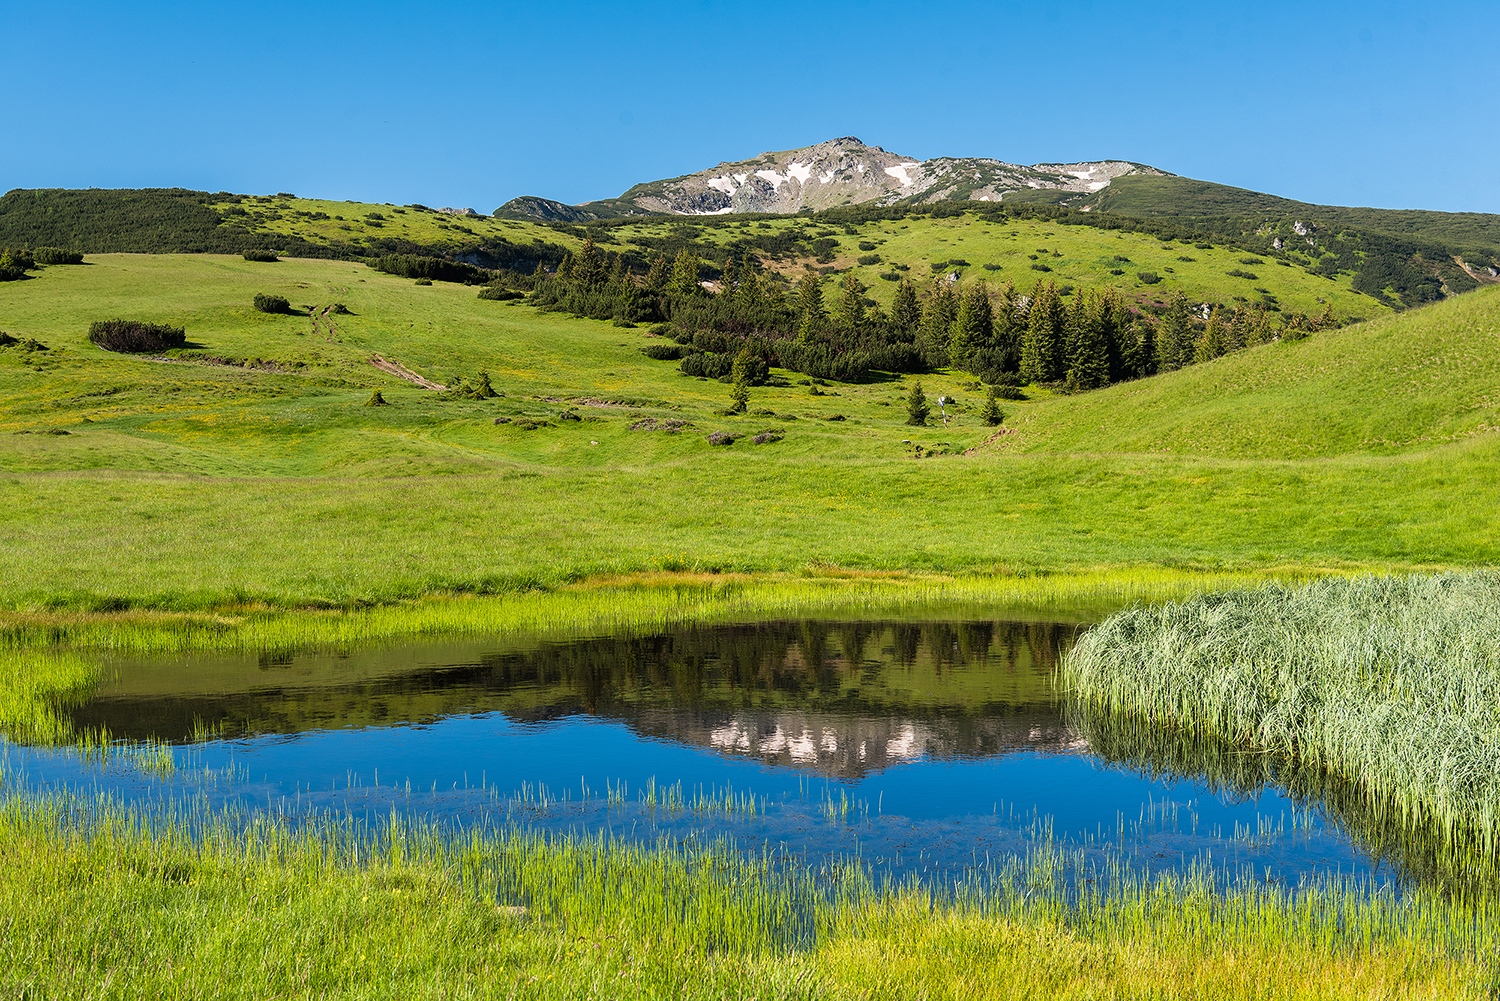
{"x": 1088, "y": 363}
{"x": 916, "y": 406}
{"x": 728, "y": 277}
{"x": 1042, "y": 346}
{"x": 1210, "y": 343}
{"x": 588, "y": 270}
{"x": 937, "y": 322}
{"x": 972, "y": 327}
{"x": 906, "y": 311}
{"x": 684, "y": 280}
{"x": 656, "y": 276}
{"x": 992, "y": 414}
{"x": 1174, "y": 342}
{"x": 852, "y": 302}
{"x": 810, "y": 314}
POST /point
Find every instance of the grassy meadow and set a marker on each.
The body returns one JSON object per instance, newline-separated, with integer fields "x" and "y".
{"x": 239, "y": 494}
{"x": 248, "y": 468}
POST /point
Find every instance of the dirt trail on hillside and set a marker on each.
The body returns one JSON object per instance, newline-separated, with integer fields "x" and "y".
{"x": 400, "y": 371}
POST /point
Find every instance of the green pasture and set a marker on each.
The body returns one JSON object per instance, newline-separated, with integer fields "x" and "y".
{"x": 248, "y": 468}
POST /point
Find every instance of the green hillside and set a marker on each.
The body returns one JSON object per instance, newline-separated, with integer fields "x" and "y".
{"x": 246, "y": 465}
{"x": 1395, "y": 384}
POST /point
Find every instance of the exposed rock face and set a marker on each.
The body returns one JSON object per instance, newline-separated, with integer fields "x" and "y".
{"x": 838, "y": 172}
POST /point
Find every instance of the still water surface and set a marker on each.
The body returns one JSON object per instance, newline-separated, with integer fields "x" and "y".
{"x": 924, "y": 746}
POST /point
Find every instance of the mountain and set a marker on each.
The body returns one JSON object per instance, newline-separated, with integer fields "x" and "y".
{"x": 834, "y": 173}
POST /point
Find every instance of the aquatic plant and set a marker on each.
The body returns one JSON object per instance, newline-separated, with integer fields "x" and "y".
{"x": 1388, "y": 684}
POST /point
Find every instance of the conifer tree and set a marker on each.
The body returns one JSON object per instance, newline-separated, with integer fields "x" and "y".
{"x": 565, "y": 269}
{"x": 684, "y": 280}
{"x": 916, "y": 406}
{"x": 972, "y": 326}
{"x": 1210, "y": 343}
{"x": 992, "y": 414}
{"x": 906, "y": 311}
{"x": 1174, "y": 342}
{"x": 1088, "y": 361}
{"x": 810, "y": 315}
{"x": 728, "y": 277}
{"x": 1326, "y": 320}
{"x": 656, "y": 276}
{"x": 1042, "y": 347}
{"x": 852, "y": 302}
{"x": 740, "y": 373}
{"x": 588, "y": 270}
{"x": 937, "y": 320}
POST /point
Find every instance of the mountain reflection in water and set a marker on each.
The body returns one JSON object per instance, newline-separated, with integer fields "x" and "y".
{"x": 841, "y": 700}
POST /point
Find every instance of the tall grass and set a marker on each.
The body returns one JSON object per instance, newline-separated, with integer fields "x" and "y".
{"x": 1388, "y": 684}
{"x": 101, "y": 902}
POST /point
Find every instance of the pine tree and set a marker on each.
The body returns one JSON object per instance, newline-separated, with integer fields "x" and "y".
{"x": 684, "y": 280}
{"x": 588, "y": 270}
{"x": 1326, "y": 320}
{"x": 852, "y": 302}
{"x": 1042, "y": 346}
{"x": 728, "y": 277}
{"x": 916, "y": 406}
{"x": 810, "y": 316}
{"x": 565, "y": 269}
{"x": 992, "y": 414}
{"x": 1088, "y": 361}
{"x": 740, "y": 373}
{"x": 1210, "y": 343}
{"x": 937, "y": 321}
{"x": 972, "y": 326}
{"x": 656, "y": 276}
{"x": 906, "y": 311}
{"x": 1174, "y": 342}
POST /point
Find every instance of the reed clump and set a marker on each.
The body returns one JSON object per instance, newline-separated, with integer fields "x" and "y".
{"x": 1388, "y": 684}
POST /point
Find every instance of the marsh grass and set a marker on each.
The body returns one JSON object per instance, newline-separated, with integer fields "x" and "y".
{"x": 1389, "y": 685}
{"x": 105, "y": 902}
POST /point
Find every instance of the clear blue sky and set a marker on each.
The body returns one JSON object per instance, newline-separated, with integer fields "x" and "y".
{"x": 469, "y": 104}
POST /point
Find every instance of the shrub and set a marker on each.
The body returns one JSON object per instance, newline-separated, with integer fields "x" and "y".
{"x": 1241, "y": 273}
{"x": 1009, "y": 393}
{"x": 422, "y": 281}
{"x": 992, "y": 267}
{"x": 1251, "y": 260}
{"x": 866, "y": 245}
{"x": 958, "y": 262}
{"x": 1041, "y": 267}
{"x": 1122, "y": 258}
{"x": 56, "y": 255}
{"x": 939, "y": 265}
{"x": 263, "y": 256}
{"x": 869, "y": 259}
{"x": 339, "y": 309}
{"x": 431, "y": 268}
{"x": 376, "y": 400}
{"x": 500, "y": 294}
{"x": 1184, "y": 257}
{"x": 890, "y": 276}
{"x": 271, "y": 303}
{"x": 1148, "y": 277}
{"x": 135, "y": 336}
{"x": 1116, "y": 271}
{"x": 664, "y": 352}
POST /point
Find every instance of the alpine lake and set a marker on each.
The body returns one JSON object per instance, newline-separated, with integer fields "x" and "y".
{"x": 920, "y": 748}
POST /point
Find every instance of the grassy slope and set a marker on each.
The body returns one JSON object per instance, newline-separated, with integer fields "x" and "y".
{"x": 1389, "y": 386}
{"x": 186, "y": 483}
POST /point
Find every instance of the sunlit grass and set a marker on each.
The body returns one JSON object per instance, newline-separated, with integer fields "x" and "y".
{"x": 101, "y": 902}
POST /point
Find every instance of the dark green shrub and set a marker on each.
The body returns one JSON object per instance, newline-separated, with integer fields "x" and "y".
{"x": 339, "y": 308}
{"x": 422, "y": 281}
{"x": 866, "y": 245}
{"x": 500, "y": 294}
{"x": 263, "y": 256}
{"x": 939, "y": 265}
{"x": 890, "y": 276}
{"x": 14, "y": 264}
{"x": 271, "y": 303}
{"x": 869, "y": 259}
{"x": 1041, "y": 267}
{"x": 1148, "y": 277}
{"x": 1184, "y": 257}
{"x": 56, "y": 255}
{"x": 1242, "y": 273}
{"x": 664, "y": 352}
{"x": 376, "y": 400}
{"x": 992, "y": 267}
{"x": 135, "y": 336}
{"x": 1116, "y": 271}
{"x": 431, "y": 268}
{"x": 957, "y": 262}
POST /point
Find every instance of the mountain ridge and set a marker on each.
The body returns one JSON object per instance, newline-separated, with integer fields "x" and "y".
{"x": 837, "y": 172}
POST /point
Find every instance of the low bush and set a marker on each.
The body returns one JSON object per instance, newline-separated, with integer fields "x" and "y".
{"x": 1148, "y": 277}
{"x": 271, "y": 303}
{"x": 866, "y": 245}
{"x": 992, "y": 267}
{"x": 57, "y": 255}
{"x": 868, "y": 259}
{"x": 135, "y": 336}
{"x": 263, "y": 256}
{"x": 500, "y": 294}
{"x": 1116, "y": 271}
{"x": 664, "y": 352}
{"x": 957, "y": 262}
{"x": 1241, "y": 273}
{"x": 890, "y": 276}
{"x": 1041, "y": 267}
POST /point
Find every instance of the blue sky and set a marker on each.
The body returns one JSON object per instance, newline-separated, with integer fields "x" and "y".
{"x": 470, "y": 104}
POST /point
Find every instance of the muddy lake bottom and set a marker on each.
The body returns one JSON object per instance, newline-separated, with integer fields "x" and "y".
{"x": 922, "y": 748}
